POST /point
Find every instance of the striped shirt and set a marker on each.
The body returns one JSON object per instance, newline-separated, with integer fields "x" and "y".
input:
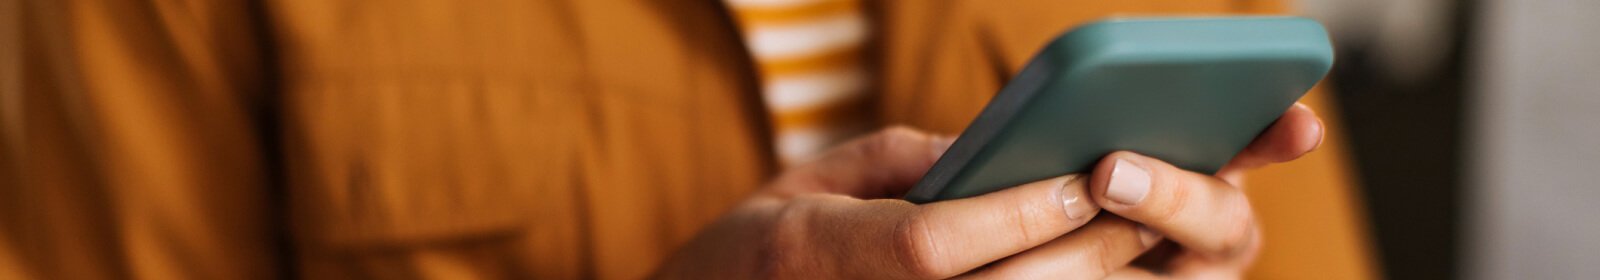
{"x": 813, "y": 82}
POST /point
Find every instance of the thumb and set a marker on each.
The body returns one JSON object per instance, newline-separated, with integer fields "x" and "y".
{"x": 884, "y": 164}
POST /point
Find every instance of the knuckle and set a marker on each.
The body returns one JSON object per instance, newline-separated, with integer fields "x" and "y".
{"x": 889, "y": 138}
{"x": 803, "y": 210}
{"x": 1101, "y": 253}
{"x": 1235, "y": 240}
{"x": 1238, "y": 230}
{"x": 1171, "y": 208}
{"x": 874, "y": 147}
{"x": 899, "y": 131}
{"x": 1019, "y": 217}
{"x": 790, "y": 234}
{"x": 1037, "y": 220}
{"x": 916, "y": 249}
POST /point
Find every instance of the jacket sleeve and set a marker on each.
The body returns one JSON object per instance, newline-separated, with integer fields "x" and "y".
{"x": 132, "y": 142}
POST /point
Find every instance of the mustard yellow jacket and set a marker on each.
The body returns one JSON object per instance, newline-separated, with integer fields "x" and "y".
{"x": 227, "y": 139}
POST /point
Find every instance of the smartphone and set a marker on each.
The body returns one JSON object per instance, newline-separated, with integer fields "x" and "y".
{"x": 1190, "y": 91}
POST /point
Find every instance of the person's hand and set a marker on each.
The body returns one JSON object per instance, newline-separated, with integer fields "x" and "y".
{"x": 837, "y": 218}
{"x": 1206, "y": 219}
{"x": 813, "y": 222}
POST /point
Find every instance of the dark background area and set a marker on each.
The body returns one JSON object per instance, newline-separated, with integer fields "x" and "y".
{"x": 1406, "y": 138}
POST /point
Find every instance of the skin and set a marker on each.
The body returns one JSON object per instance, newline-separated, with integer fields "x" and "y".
{"x": 840, "y": 217}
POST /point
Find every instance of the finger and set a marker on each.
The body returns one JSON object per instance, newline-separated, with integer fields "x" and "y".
{"x": 947, "y": 238}
{"x": 1297, "y": 132}
{"x": 1191, "y": 265}
{"x": 1094, "y": 251}
{"x": 1200, "y": 212}
{"x": 881, "y": 165}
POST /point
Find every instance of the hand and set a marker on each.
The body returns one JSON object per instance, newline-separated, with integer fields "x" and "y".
{"x": 812, "y": 221}
{"x": 1207, "y": 219}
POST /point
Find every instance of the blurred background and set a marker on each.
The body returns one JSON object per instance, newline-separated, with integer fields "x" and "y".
{"x": 1474, "y": 125}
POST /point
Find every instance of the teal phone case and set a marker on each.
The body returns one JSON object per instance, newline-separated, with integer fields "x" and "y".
{"x": 1190, "y": 91}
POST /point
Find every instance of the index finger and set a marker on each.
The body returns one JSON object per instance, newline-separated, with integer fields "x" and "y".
{"x": 1297, "y": 132}
{"x": 947, "y": 238}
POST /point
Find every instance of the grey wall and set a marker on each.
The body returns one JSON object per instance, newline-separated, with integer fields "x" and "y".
{"x": 1533, "y": 173}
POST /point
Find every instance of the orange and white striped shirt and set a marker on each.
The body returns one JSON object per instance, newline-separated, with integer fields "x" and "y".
{"x": 814, "y": 83}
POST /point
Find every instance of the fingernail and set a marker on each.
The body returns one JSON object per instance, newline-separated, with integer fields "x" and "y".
{"x": 1148, "y": 236}
{"x": 1075, "y": 199}
{"x": 939, "y": 144}
{"x": 1129, "y": 183}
